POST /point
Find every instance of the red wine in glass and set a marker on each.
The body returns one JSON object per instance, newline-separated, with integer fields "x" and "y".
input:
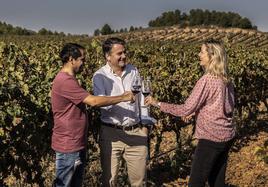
{"x": 146, "y": 93}
{"x": 136, "y": 84}
{"x": 135, "y": 89}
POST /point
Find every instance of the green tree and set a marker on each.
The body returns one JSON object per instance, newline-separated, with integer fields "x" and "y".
{"x": 166, "y": 19}
{"x": 245, "y": 23}
{"x": 131, "y": 29}
{"x": 44, "y": 31}
{"x": 106, "y": 29}
{"x": 97, "y": 32}
{"x": 196, "y": 17}
{"x": 8, "y": 29}
{"x": 201, "y": 17}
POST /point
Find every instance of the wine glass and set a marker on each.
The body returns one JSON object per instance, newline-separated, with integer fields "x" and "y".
{"x": 136, "y": 84}
{"x": 146, "y": 87}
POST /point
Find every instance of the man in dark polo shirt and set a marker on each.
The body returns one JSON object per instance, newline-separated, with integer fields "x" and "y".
{"x": 68, "y": 100}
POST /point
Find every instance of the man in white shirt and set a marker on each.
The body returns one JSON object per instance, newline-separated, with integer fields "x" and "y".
{"x": 121, "y": 134}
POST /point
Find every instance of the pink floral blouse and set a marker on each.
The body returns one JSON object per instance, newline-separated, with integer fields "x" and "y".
{"x": 213, "y": 102}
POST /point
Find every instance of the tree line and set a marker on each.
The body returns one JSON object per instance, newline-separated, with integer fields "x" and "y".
{"x": 106, "y": 29}
{"x": 199, "y": 17}
{"x": 196, "y": 17}
{"x": 8, "y": 29}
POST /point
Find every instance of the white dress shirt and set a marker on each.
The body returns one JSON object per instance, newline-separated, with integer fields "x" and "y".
{"x": 107, "y": 83}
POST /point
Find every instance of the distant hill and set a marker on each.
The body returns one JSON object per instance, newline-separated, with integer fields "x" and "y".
{"x": 250, "y": 38}
{"x": 199, "y": 17}
{"x": 8, "y": 29}
{"x": 195, "y": 17}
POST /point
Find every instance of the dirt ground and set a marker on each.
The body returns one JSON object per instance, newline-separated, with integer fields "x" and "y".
{"x": 246, "y": 167}
{"x": 248, "y": 161}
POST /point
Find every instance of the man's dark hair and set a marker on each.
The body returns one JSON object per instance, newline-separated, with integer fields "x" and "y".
{"x": 70, "y": 50}
{"x": 108, "y": 44}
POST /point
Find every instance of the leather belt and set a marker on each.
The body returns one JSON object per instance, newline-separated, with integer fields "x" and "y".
{"x": 121, "y": 127}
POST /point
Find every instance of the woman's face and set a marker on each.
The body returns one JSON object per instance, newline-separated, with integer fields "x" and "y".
{"x": 204, "y": 57}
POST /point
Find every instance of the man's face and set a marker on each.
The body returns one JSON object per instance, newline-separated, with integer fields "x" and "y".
{"x": 79, "y": 62}
{"x": 117, "y": 56}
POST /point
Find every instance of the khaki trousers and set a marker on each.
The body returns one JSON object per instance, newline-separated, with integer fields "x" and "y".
{"x": 131, "y": 146}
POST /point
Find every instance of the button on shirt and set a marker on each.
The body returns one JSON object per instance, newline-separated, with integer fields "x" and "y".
{"x": 107, "y": 83}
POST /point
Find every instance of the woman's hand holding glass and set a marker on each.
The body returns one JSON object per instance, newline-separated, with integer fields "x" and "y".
{"x": 149, "y": 100}
{"x": 188, "y": 118}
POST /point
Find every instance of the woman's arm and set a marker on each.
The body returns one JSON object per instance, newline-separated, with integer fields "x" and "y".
{"x": 191, "y": 105}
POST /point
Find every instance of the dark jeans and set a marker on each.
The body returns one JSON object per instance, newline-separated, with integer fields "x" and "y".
{"x": 209, "y": 163}
{"x": 70, "y": 169}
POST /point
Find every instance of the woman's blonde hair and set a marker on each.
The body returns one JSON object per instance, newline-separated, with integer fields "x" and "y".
{"x": 218, "y": 60}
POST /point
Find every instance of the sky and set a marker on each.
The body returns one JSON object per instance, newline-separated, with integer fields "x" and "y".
{"x": 84, "y": 16}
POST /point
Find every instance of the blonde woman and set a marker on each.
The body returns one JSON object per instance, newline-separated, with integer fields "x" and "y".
{"x": 212, "y": 101}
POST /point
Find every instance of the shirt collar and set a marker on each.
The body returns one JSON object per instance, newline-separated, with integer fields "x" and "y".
{"x": 126, "y": 70}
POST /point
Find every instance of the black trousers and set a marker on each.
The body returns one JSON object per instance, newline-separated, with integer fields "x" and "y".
{"x": 209, "y": 163}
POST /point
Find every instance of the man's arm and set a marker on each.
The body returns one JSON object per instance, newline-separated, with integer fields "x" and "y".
{"x": 99, "y": 101}
{"x": 99, "y": 88}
